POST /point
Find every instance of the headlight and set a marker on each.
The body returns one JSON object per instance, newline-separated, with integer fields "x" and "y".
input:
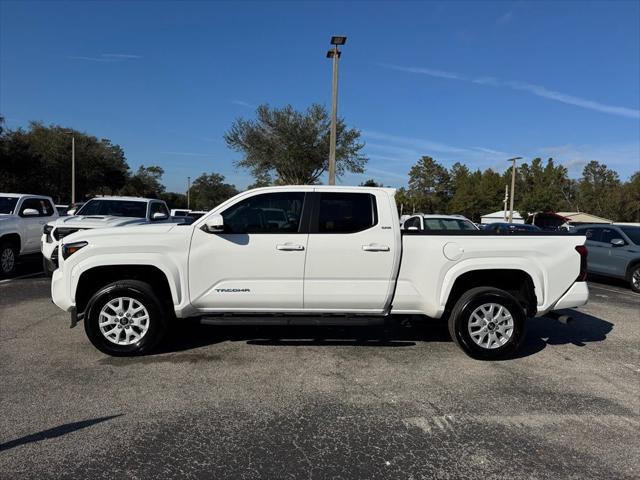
{"x": 69, "y": 249}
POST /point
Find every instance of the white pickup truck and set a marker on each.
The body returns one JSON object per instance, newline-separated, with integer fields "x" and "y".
{"x": 100, "y": 212}
{"x": 21, "y": 220}
{"x": 313, "y": 254}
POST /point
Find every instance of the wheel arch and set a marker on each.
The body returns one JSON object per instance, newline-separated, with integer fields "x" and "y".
{"x": 93, "y": 279}
{"x": 517, "y": 282}
{"x": 13, "y": 238}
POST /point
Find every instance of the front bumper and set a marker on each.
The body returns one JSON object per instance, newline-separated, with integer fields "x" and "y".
{"x": 50, "y": 250}
{"x": 576, "y": 296}
{"x": 60, "y": 293}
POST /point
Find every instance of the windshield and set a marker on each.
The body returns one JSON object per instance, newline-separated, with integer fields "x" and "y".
{"x": 448, "y": 224}
{"x": 633, "y": 233}
{"x": 116, "y": 208}
{"x": 7, "y": 205}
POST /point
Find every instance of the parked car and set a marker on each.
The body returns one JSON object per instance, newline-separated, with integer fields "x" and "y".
{"x": 179, "y": 212}
{"x": 614, "y": 251}
{"x": 21, "y": 219}
{"x": 102, "y": 212}
{"x": 438, "y": 222}
{"x": 62, "y": 210}
{"x": 507, "y": 228}
{"x": 340, "y": 256}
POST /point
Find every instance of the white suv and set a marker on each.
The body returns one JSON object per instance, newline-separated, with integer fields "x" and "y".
{"x": 22, "y": 217}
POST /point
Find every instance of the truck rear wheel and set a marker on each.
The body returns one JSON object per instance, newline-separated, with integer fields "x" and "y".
{"x": 634, "y": 278}
{"x": 487, "y": 323}
{"x": 8, "y": 257}
{"x": 125, "y": 318}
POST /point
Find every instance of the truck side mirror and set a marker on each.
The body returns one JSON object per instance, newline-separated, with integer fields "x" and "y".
{"x": 214, "y": 224}
{"x": 71, "y": 211}
{"x": 617, "y": 242}
{"x": 159, "y": 216}
{"x": 30, "y": 212}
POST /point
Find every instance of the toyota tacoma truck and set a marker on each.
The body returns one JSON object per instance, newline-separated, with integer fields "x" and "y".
{"x": 100, "y": 212}
{"x": 22, "y": 217}
{"x": 331, "y": 255}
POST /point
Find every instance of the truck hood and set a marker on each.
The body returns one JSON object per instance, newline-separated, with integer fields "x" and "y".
{"x": 96, "y": 221}
{"x": 137, "y": 230}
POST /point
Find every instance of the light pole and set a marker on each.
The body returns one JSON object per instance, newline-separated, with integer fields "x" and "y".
{"x": 188, "y": 189}
{"x": 513, "y": 186}
{"x": 334, "y": 54}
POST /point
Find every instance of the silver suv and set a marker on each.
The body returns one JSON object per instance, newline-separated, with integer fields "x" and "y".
{"x": 614, "y": 251}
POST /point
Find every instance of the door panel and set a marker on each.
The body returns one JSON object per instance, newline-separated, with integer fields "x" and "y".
{"x": 258, "y": 263}
{"x": 350, "y": 254}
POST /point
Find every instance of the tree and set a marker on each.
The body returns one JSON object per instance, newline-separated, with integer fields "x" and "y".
{"x": 146, "y": 182}
{"x": 38, "y": 160}
{"x": 290, "y": 147}
{"x": 630, "y": 208}
{"x": 599, "y": 191}
{"x": 174, "y": 200}
{"x": 371, "y": 183}
{"x": 207, "y": 191}
{"x": 429, "y": 185}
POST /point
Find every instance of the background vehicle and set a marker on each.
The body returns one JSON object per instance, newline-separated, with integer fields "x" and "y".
{"x": 99, "y": 212}
{"x": 506, "y": 228}
{"x": 21, "y": 220}
{"x": 340, "y": 256}
{"x": 438, "y": 222}
{"x": 179, "y": 212}
{"x": 614, "y": 251}
{"x": 62, "y": 210}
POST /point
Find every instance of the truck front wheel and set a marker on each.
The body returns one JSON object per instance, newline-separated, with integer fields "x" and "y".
{"x": 487, "y": 323}
{"x": 8, "y": 256}
{"x": 125, "y": 318}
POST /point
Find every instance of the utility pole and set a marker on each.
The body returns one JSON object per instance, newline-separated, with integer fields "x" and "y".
{"x": 334, "y": 54}
{"x": 188, "y": 189}
{"x": 504, "y": 202}
{"x": 513, "y": 186}
{"x": 73, "y": 169}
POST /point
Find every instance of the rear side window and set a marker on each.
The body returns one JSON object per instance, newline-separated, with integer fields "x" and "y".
{"x": 592, "y": 234}
{"x": 346, "y": 212}
{"x": 412, "y": 222}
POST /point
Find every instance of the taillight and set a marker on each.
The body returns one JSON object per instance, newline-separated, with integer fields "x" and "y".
{"x": 582, "y": 250}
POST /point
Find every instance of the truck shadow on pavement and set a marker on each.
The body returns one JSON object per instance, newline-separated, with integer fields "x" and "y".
{"x": 55, "y": 432}
{"x": 400, "y": 332}
{"x": 545, "y": 331}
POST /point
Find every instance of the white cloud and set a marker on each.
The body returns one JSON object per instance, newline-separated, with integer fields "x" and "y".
{"x": 534, "y": 89}
{"x": 106, "y": 57}
{"x": 242, "y": 103}
{"x": 622, "y": 157}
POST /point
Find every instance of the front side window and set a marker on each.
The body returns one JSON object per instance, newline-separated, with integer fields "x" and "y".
{"x": 116, "y": 208}
{"x": 42, "y": 205}
{"x": 632, "y": 232}
{"x": 412, "y": 222}
{"x": 346, "y": 212}
{"x": 608, "y": 234}
{"x": 158, "y": 207}
{"x": 265, "y": 213}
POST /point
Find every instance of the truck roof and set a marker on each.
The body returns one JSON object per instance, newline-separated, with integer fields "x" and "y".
{"x": 20, "y": 195}
{"x": 125, "y": 198}
{"x": 330, "y": 188}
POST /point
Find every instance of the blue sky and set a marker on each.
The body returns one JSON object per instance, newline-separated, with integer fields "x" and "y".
{"x": 475, "y": 82}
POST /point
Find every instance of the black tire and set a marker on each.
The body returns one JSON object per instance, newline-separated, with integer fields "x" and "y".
{"x": 48, "y": 267}
{"x": 634, "y": 272}
{"x": 461, "y": 316}
{"x": 143, "y": 293}
{"x": 8, "y": 259}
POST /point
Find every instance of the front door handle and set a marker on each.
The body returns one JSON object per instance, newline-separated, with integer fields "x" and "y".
{"x": 290, "y": 247}
{"x": 375, "y": 247}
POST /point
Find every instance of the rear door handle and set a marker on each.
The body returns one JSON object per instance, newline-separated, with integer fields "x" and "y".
{"x": 374, "y": 247}
{"x": 289, "y": 247}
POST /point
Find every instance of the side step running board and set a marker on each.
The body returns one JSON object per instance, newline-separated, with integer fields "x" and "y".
{"x": 292, "y": 320}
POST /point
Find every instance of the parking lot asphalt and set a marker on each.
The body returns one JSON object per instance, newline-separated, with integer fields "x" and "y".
{"x": 319, "y": 402}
